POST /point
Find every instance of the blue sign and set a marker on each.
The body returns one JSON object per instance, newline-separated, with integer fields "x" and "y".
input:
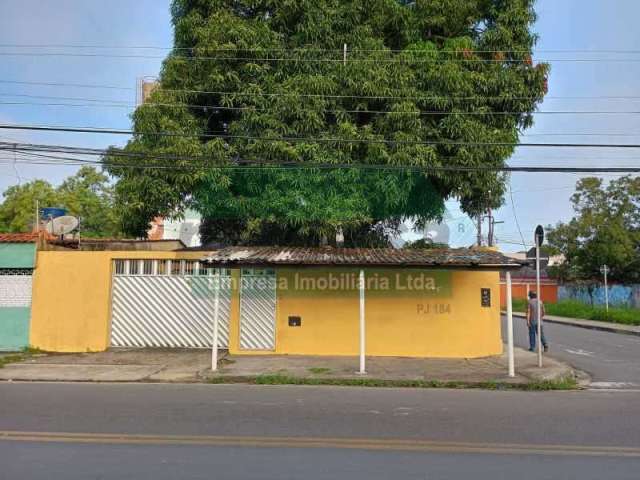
{"x": 52, "y": 212}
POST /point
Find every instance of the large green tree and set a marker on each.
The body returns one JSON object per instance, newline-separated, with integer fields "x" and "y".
{"x": 418, "y": 76}
{"x": 87, "y": 195}
{"x": 604, "y": 230}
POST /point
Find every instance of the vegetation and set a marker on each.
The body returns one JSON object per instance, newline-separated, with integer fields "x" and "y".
{"x": 87, "y": 195}
{"x": 604, "y": 230}
{"x": 423, "y": 243}
{"x": 279, "y": 379}
{"x": 264, "y": 82}
{"x": 575, "y": 309}
{"x": 13, "y": 358}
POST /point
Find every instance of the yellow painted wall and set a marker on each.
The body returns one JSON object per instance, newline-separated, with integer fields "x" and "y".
{"x": 71, "y": 305}
{"x": 397, "y": 321}
{"x": 72, "y": 302}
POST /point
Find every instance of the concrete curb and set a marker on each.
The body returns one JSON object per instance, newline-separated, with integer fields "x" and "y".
{"x": 586, "y": 324}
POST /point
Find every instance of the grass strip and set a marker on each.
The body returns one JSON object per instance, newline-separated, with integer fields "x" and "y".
{"x": 574, "y": 309}
{"x": 568, "y": 383}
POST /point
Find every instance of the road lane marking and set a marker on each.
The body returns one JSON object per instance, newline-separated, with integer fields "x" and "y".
{"x": 319, "y": 442}
{"x": 584, "y": 353}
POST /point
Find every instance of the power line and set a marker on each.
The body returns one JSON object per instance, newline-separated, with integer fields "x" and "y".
{"x": 243, "y": 164}
{"x": 313, "y": 140}
{"x": 310, "y": 49}
{"x": 363, "y": 111}
{"x": 295, "y": 94}
{"x": 515, "y": 215}
{"x": 59, "y": 84}
{"x": 400, "y": 60}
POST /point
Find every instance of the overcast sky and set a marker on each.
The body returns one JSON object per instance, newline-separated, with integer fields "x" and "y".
{"x": 538, "y": 198}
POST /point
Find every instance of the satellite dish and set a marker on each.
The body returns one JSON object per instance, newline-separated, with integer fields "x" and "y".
{"x": 62, "y": 225}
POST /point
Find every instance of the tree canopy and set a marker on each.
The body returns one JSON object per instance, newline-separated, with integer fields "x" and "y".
{"x": 254, "y": 82}
{"x": 87, "y": 195}
{"x": 604, "y": 230}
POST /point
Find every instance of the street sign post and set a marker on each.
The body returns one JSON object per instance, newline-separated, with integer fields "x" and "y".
{"x": 539, "y": 239}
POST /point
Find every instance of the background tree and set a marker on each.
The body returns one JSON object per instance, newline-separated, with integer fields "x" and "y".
{"x": 18, "y": 209}
{"x": 421, "y": 81}
{"x": 605, "y": 230}
{"x": 87, "y": 194}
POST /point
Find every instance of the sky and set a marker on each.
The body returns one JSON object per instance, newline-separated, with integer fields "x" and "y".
{"x": 589, "y": 27}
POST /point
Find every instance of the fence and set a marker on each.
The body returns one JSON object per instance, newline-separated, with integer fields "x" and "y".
{"x": 619, "y": 295}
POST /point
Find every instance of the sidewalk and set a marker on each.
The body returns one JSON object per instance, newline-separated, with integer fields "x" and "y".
{"x": 590, "y": 324}
{"x": 117, "y": 365}
{"x": 140, "y": 365}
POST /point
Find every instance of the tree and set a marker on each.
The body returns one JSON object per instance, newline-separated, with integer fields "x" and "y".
{"x": 264, "y": 82}
{"x": 605, "y": 230}
{"x": 18, "y": 209}
{"x": 87, "y": 195}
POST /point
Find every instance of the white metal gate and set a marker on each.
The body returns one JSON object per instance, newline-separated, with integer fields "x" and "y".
{"x": 257, "y": 309}
{"x": 165, "y": 303}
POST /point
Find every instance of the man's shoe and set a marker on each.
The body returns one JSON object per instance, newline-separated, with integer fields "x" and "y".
{"x": 546, "y": 348}
{"x": 531, "y": 350}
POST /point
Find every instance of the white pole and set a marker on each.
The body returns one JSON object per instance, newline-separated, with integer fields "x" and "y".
{"x": 216, "y": 309}
{"x": 510, "y": 353}
{"x": 344, "y": 54}
{"x": 606, "y": 290}
{"x": 539, "y": 310}
{"x": 362, "y": 370}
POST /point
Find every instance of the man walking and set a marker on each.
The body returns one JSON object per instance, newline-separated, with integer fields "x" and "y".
{"x": 532, "y": 322}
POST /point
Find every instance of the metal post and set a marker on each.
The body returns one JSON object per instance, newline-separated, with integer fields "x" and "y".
{"x": 539, "y": 310}
{"x": 362, "y": 370}
{"x": 344, "y": 54}
{"x": 510, "y": 351}
{"x": 606, "y": 290}
{"x": 216, "y": 309}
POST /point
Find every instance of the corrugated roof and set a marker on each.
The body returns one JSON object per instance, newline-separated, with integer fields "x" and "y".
{"x": 18, "y": 237}
{"x": 379, "y": 257}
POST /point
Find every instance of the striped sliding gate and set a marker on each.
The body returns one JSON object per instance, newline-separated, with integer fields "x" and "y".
{"x": 167, "y": 303}
{"x": 257, "y": 309}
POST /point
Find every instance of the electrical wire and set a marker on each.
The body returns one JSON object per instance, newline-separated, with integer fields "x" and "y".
{"x": 515, "y": 215}
{"x": 363, "y": 111}
{"x": 311, "y": 49}
{"x": 314, "y": 140}
{"x": 248, "y": 164}
{"x": 404, "y": 57}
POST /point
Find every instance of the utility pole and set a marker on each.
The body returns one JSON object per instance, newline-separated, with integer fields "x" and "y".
{"x": 539, "y": 239}
{"x": 490, "y": 232}
{"x": 605, "y": 271}
{"x": 479, "y": 228}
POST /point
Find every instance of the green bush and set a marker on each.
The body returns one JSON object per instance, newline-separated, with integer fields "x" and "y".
{"x": 575, "y": 309}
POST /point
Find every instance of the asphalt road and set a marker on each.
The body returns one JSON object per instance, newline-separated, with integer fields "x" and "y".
{"x": 612, "y": 359}
{"x": 235, "y": 431}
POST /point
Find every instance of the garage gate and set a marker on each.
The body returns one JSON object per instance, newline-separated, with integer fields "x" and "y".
{"x": 167, "y": 303}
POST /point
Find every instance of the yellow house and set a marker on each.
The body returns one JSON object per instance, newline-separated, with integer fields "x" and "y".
{"x": 296, "y": 301}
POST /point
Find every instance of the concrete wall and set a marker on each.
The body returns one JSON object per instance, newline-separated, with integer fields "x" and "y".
{"x": 71, "y": 309}
{"x": 446, "y": 323}
{"x": 16, "y": 264}
{"x": 619, "y": 295}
